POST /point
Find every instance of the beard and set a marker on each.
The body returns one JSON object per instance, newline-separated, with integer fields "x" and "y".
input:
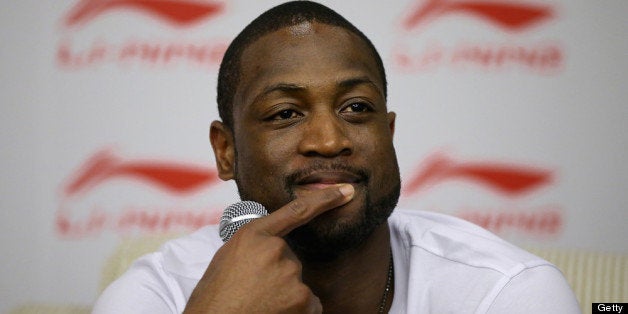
{"x": 324, "y": 238}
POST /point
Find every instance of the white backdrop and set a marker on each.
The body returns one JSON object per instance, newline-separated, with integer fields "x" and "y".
{"x": 511, "y": 114}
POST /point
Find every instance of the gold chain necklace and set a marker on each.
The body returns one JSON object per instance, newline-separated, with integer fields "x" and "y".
{"x": 382, "y": 305}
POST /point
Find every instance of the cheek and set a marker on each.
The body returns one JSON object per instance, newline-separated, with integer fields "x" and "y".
{"x": 261, "y": 168}
{"x": 378, "y": 151}
{"x": 375, "y": 141}
{"x": 264, "y": 153}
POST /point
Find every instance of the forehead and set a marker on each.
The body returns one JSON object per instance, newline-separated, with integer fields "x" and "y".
{"x": 307, "y": 54}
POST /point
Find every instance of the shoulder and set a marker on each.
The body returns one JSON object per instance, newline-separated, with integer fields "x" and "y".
{"x": 461, "y": 266}
{"x": 189, "y": 256}
{"x": 459, "y": 241}
{"x": 161, "y": 282}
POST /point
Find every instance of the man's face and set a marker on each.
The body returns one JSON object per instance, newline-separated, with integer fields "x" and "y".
{"x": 310, "y": 112}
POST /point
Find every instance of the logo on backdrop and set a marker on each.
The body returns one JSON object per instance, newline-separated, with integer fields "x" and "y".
{"x": 464, "y": 48}
{"x": 104, "y": 45}
{"x": 176, "y": 12}
{"x": 509, "y": 16}
{"x": 508, "y": 181}
{"x": 110, "y": 193}
{"x": 172, "y": 177}
{"x": 92, "y": 200}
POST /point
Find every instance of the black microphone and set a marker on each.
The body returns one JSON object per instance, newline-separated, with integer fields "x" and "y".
{"x": 238, "y": 215}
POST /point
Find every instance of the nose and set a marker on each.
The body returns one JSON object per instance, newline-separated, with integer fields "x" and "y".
{"x": 325, "y": 135}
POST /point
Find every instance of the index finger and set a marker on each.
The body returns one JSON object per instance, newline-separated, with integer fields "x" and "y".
{"x": 303, "y": 209}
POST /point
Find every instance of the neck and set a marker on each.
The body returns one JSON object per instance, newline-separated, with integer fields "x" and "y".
{"x": 356, "y": 280}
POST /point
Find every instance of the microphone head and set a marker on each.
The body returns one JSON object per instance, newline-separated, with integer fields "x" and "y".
{"x": 237, "y": 215}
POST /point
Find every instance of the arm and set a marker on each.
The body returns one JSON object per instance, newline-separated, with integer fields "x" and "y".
{"x": 141, "y": 290}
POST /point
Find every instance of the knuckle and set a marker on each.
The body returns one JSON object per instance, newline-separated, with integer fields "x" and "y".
{"x": 297, "y": 208}
{"x": 293, "y": 268}
{"x": 270, "y": 248}
{"x": 302, "y": 295}
{"x": 276, "y": 245}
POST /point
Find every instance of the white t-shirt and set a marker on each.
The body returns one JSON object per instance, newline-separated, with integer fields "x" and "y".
{"x": 442, "y": 265}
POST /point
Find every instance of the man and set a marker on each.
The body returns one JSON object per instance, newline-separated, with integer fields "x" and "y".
{"x": 306, "y": 132}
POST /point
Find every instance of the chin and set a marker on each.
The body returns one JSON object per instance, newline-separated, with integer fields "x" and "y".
{"x": 334, "y": 233}
{"x": 343, "y": 229}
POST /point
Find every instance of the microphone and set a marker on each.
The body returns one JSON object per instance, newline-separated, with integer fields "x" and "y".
{"x": 237, "y": 215}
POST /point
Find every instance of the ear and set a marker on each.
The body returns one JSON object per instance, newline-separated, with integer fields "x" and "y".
{"x": 221, "y": 138}
{"x": 391, "y": 122}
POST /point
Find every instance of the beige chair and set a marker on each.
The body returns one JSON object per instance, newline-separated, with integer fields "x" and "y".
{"x": 123, "y": 256}
{"x": 594, "y": 277}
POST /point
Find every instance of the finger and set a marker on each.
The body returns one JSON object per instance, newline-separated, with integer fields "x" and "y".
{"x": 304, "y": 209}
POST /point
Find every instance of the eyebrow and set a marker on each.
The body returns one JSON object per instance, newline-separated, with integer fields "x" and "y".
{"x": 291, "y": 88}
{"x": 281, "y": 87}
{"x": 355, "y": 81}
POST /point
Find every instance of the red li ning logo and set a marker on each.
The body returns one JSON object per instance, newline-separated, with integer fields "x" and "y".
{"x": 505, "y": 15}
{"x": 78, "y": 218}
{"x": 179, "y": 13}
{"x": 508, "y": 180}
{"x": 174, "y": 178}
{"x": 543, "y": 56}
{"x": 199, "y": 53}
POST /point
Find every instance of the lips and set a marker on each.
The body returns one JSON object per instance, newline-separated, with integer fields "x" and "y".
{"x": 323, "y": 179}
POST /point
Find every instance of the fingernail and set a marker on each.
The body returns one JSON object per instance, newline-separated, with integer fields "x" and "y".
{"x": 346, "y": 189}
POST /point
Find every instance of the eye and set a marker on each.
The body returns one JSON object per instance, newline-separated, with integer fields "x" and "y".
{"x": 285, "y": 115}
{"x": 357, "y": 107}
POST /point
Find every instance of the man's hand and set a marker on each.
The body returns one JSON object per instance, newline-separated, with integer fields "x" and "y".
{"x": 256, "y": 271}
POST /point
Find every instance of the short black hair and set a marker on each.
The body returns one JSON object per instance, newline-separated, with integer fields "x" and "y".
{"x": 284, "y": 15}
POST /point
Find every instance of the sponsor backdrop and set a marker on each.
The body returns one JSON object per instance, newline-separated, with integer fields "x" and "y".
{"x": 511, "y": 114}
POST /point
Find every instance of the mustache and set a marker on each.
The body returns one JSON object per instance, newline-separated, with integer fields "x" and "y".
{"x": 320, "y": 166}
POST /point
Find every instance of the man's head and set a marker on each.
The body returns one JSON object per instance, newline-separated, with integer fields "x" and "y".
{"x": 306, "y": 108}
{"x": 284, "y": 15}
